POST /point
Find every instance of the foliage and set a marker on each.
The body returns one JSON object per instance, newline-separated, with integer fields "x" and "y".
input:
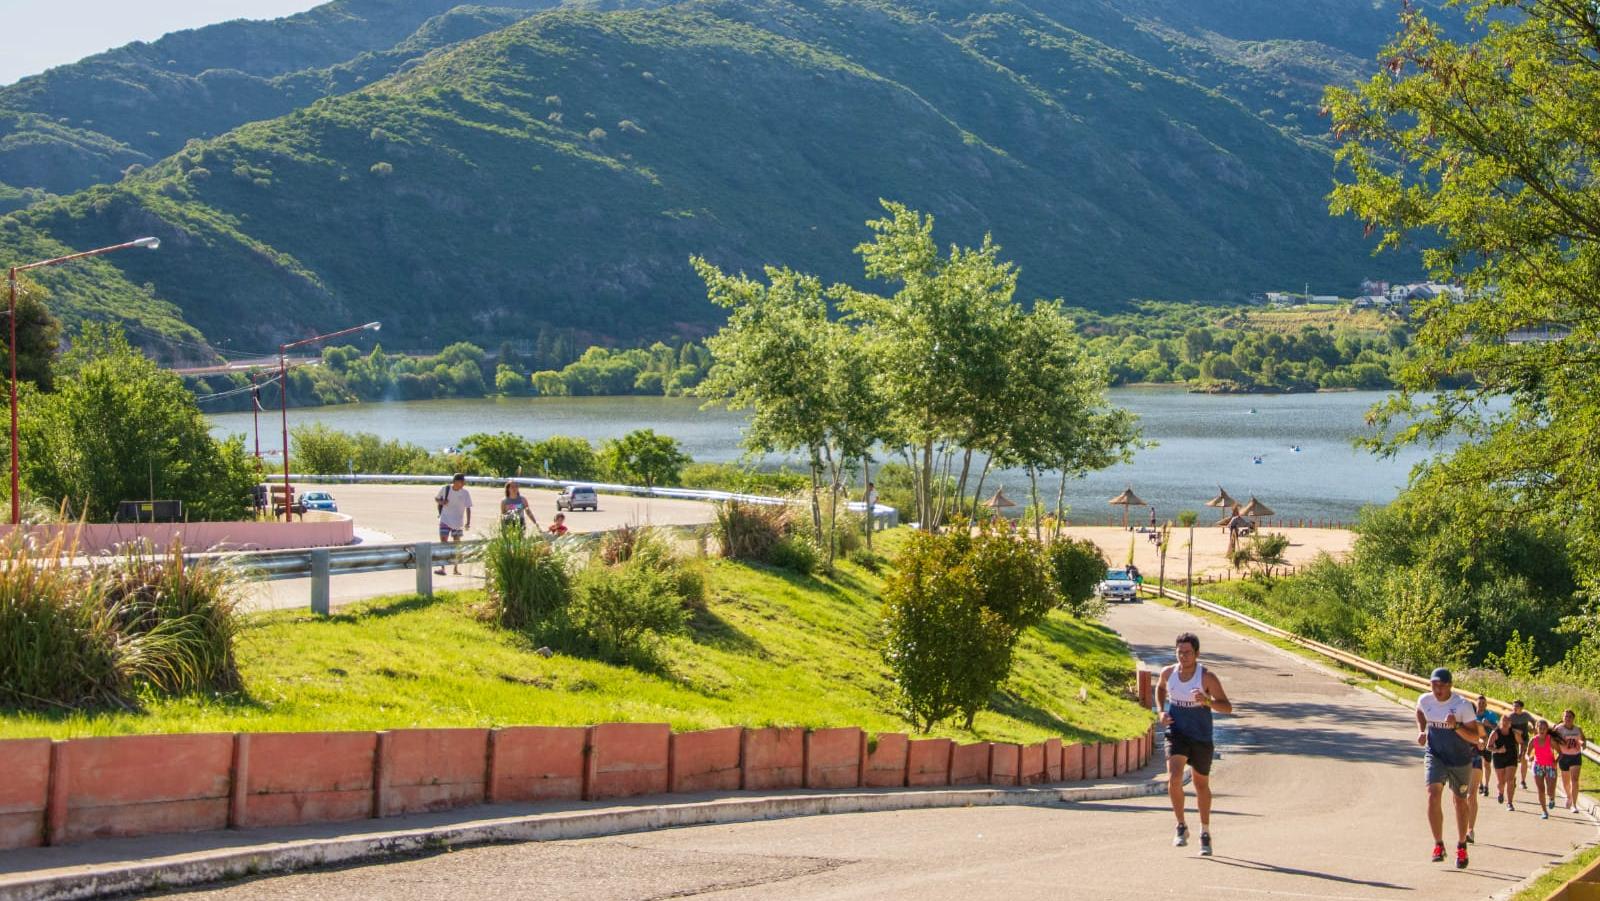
{"x": 503, "y": 455}
{"x": 953, "y": 612}
{"x": 625, "y": 610}
{"x": 38, "y": 336}
{"x": 325, "y": 451}
{"x": 739, "y": 479}
{"x": 119, "y": 428}
{"x": 1520, "y": 660}
{"x": 1412, "y": 629}
{"x": 527, "y": 584}
{"x": 1078, "y": 566}
{"x": 750, "y": 531}
{"x": 1266, "y": 552}
{"x": 643, "y": 457}
{"x": 565, "y": 457}
{"x": 1484, "y": 149}
{"x": 111, "y": 630}
{"x": 796, "y": 552}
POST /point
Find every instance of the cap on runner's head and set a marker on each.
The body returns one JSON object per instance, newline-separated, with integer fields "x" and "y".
{"x": 1441, "y": 675}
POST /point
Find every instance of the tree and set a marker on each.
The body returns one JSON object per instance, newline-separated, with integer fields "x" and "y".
{"x": 38, "y": 337}
{"x": 119, "y": 428}
{"x": 503, "y": 455}
{"x": 644, "y": 456}
{"x": 565, "y": 457}
{"x": 1489, "y": 149}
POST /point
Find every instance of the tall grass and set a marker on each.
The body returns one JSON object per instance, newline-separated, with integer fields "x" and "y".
{"x": 529, "y": 587}
{"x": 101, "y": 633}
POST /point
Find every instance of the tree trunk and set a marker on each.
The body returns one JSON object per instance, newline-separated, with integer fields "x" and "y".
{"x": 833, "y": 504}
{"x": 961, "y": 486}
{"x": 925, "y": 494}
{"x": 1033, "y": 495}
{"x": 816, "y": 490}
{"x": 977, "y": 493}
{"x": 866, "y": 475}
{"x": 1061, "y": 495}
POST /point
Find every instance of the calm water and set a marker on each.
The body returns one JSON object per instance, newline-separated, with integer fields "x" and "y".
{"x": 1203, "y": 441}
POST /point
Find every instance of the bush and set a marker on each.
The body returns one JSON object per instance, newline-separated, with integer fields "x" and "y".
{"x": 1413, "y": 629}
{"x": 565, "y": 457}
{"x": 624, "y": 610}
{"x": 103, "y": 633}
{"x": 795, "y": 552}
{"x": 953, "y": 612}
{"x": 1078, "y": 566}
{"x": 527, "y": 584}
{"x": 750, "y": 531}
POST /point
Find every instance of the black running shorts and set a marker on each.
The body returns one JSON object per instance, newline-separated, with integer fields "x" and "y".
{"x": 1569, "y": 762}
{"x": 1198, "y": 753}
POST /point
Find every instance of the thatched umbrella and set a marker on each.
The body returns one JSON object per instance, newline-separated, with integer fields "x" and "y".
{"x": 1255, "y": 509}
{"x": 1125, "y": 500}
{"x": 1223, "y": 501}
{"x": 999, "y": 500}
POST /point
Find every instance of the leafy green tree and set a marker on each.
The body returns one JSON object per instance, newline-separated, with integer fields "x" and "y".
{"x": 503, "y": 454}
{"x": 1413, "y": 629}
{"x": 644, "y": 456}
{"x": 510, "y": 382}
{"x": 1078, "y": 566}
{"x": 119, "y": 428}
{"x": 565, "y": 457}
{"x": 38, "y": 337}
{"x": 1486, "y": 149}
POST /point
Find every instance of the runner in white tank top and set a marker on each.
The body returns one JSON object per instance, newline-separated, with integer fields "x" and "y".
{"x": 1186, "y": 695}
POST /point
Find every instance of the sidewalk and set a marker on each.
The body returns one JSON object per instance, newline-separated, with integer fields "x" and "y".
{"x": 114, "y": 866}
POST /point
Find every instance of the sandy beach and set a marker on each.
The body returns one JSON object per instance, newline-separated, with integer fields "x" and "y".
{"x": 1210, "y": 548}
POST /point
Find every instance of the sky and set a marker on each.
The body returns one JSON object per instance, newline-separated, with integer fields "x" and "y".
{"x": 44, "y": 33}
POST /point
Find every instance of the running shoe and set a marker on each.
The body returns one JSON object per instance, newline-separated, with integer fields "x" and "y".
{"x": 1471, "y": 839}
{"x": 1524, "y": 783}
{"x": 1500, "y": 798}
{"x": 1511, "y": 807}
{"x": 1544, "y": 814}
{"x": 1461, "y": 857}
{"x": 1438, "y": 851}
{"x": 1182, "y": 836}
{"x": 1205, "y": 844}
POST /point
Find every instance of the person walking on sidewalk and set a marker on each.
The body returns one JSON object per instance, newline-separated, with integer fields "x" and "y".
{"x": 1187, "y": 694}
{"x": 1571, "y": 742}
{"x": 1542, "y": 750}
{"x": 455, "y": 514}
{"x": 1447, "y": 728}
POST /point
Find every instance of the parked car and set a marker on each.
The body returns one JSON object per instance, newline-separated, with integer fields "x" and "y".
{"x": 1119, "y": 585}
{"x": 320, "y": 500}
{"x": 578, "y": 497}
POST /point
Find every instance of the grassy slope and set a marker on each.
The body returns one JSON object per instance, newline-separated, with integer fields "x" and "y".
{"x": 772, "y": 649}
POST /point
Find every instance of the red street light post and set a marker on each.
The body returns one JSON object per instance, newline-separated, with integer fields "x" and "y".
{"x": 11, "y": 280}
{"x": 283, "y": 386}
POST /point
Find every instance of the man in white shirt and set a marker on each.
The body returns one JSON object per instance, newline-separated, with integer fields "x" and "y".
{"x": 1447, "y": 727}
{"x": 455, "y": 514}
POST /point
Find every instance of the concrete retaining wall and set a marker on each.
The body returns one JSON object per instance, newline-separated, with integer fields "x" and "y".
{"x": 317, "y": 530}
{"x": 81, "y": 789}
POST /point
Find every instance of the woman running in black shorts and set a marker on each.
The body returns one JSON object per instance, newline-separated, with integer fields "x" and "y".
{"x": 1506, "y": 750}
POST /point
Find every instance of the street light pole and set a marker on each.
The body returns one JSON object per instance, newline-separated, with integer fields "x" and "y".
{"x": 11, "y": 283}
{"x": 283, "y": 385}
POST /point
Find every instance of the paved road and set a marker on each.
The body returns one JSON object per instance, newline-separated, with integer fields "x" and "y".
{"x": 1319, "y": 797}
{"x": 391, "y": 513}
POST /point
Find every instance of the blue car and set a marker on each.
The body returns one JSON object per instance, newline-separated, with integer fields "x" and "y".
{"x": 320, "y": 500}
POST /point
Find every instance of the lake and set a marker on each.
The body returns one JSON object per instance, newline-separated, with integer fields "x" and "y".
{"x": 1202, "y": 441}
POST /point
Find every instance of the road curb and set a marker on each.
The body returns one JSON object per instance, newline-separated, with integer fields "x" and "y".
{"x": 234, "y": 863}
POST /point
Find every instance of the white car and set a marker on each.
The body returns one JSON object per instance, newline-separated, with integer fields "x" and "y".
{"x": 1119, "y": 585}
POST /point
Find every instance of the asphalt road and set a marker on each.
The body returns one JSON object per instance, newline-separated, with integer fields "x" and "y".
{"x": 1319, "y": 796}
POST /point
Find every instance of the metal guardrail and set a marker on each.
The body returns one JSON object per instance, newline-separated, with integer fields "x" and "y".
{"x": 1361, "y": 664}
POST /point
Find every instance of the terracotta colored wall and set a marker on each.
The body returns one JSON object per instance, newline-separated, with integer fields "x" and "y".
{"x": 1091, "y": 761}
{"x": 431, "y": 769}
{"x": 1052, "y": 760}
{"x": 1032, "y": 771}
{"x": 774, "y": 758}
{"x": 139, "y": 785}
{"x": 1004, "y": 763}
{"x": 1071, "y": 762}
{"x": 969, "y": 764}
{"x": 627, "y": 759}
{"x": 24, "y": 791}
{"x": 290, "y": 778}
{"x": 536, "y": 763}
{"x": 833, "y": 758}
{"x": 325, "y": 530}
{"x": 1124, "y": 755}
{"x": 888, "y": 761}
{"x": 928, "y": 761}
{"x": 1108, "y": 760}
{"x": 706, "y": 761}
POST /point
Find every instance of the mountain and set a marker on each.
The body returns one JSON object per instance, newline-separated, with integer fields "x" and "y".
{"x": 493, "y": 171}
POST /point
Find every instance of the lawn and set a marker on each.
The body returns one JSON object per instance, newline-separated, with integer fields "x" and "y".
{"x": 772, "y": 648}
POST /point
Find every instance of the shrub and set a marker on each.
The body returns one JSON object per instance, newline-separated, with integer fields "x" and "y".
{"x": 528, "y": 586}
{"x": 624, "y": 610}
{"x": 1077, "y": 566}
{"x": 102, "y": 633}
{"x": 795, "y": 552}
{"x": 953, "y": 612}
{"x": 750, "y": 531}
{"x": 1413, "y": 629}
{"x": 653, "y": 549}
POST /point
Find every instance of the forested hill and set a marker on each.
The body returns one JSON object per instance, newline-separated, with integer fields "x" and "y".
{"x": 558, "y": 168}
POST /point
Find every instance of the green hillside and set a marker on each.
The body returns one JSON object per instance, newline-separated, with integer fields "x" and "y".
{"x": 559, "y": 171}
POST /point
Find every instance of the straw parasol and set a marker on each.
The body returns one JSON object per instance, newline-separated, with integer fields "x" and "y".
{"x": 1255, "y": 509}
{"x": 999, "y": 500}
{"x": 1125, "y": 500}
{"x": 1222, "y": 501}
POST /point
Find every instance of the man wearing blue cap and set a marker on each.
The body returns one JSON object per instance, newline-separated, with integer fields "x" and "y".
{"x": 1447, "y": 727}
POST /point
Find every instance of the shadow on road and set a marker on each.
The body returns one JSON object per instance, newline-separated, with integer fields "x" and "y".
{"x": 1353, "y": 733}
{"x": 1310, "y": 874}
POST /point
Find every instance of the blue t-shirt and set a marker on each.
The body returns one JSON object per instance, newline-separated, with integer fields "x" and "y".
{"x": 1443, "y": 743}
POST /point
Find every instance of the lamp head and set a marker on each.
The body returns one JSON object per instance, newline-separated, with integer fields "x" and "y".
{"x": 373, "y": 326}
{"x": 151, "y": 243}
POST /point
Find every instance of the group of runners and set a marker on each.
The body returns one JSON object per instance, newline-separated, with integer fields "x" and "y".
{"x": 1465, "y": 746}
